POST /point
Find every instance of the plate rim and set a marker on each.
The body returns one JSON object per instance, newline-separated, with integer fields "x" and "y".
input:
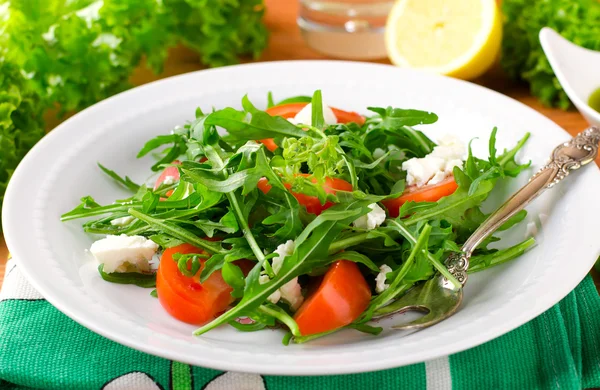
{"x": 8, "y": 217}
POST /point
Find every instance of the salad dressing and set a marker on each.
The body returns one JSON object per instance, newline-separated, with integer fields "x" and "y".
{"x": 594, "y": 100}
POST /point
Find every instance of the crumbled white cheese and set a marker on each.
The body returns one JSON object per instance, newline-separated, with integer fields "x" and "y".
{"x": 372, "y": 219}
{"x": 449, "y": 148}
{"x": 122, "y": 221}
{"x": 437, "y": 165}
{"x": 276, "y": 296}
{"x": 169, "y": 180}
{"x": 437, "y": 178}
{"x": 380, "y": 284}
{"x": 305, "y": 115}
{"x": 283, "y": 251}
{"x": 124, "y": 253}
{"x": 291, "y": 292}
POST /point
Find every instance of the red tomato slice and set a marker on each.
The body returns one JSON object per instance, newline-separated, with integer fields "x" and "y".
{"x": 312, "y": 203}
{"x": 185, "y": 298}
{"x": 340, "y": 299}
{"x": 431, "y": 193}
{"x": 290, "y": 110}
{"x": 169, "y": 171}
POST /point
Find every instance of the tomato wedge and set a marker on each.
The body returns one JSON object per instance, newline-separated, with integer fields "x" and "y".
{"x": 290, "y": 110}
{"x": 312, "y": 203}
{"x": 430, "y": 193}
{"x": 169, "y": 171}
{"x": 340, "y": 299}
{"x": 185, "y": 298}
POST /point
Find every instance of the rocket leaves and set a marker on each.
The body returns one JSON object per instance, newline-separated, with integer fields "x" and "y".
{"x": 237, "y": 200}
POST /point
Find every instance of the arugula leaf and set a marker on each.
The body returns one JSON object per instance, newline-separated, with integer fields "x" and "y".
{"x": 396, "y": 287}
{"x": 354, "y": 257}
{"x": 270, "y": 102}
{"x": 150, "y": 201}
{"x": 215, "y": 262}
{"x": 170, "y": 154}
{"x": 127, "y": 182}
{"x": 492, "y": 147}
{"x": 165, "y": 241}
{"x": 295, "y": 99}
{"x": 394, "y": 118}
{"x": 373, "y": 330}
{"x": 89, "y": 208}
{"x": 227, "y": 224}
{"x": 288, "y": 215}
{"x": 507, "y": 159}
{"x": 136, "y": 278}
{"x": 234, "y": 277}
{"x": 176, "y": 231}
{"x": 405, "y": 232}
{"x": 497, "y": 257}
{"x": 398, "y": 187}
{"x": 232, "y": 183}
{"x": 188, "y": 264}
{"x": 512, "y": 221}
{"x": 282, "y": 316}
{"x": 317, "y": 119}
{"x": 251, "y": 126}
{"x": 393, "y": 126}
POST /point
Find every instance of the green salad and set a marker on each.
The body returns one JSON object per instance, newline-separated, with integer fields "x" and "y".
{"x": 303, "y": 216}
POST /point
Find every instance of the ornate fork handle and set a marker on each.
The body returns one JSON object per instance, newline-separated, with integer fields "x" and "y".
{"x": 565, "y": 158}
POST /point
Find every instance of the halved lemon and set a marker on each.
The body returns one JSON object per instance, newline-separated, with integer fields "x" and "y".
{"x": 458, "y": 38}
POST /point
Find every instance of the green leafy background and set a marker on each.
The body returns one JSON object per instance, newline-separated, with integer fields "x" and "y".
{"x": 522, "y": 54}
{"x": 68, "y": 55}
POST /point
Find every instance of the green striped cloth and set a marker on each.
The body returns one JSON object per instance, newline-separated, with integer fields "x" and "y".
{"x": 42, "y": 348}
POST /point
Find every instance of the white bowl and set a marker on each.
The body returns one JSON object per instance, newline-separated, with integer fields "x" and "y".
{"x": 577, "y": 70}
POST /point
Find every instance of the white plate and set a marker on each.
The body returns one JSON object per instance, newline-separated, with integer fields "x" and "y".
{"x": 62, "y": 168}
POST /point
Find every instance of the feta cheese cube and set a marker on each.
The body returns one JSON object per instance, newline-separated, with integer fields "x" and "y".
{"x": 372, "y": 219}
{"x": 449, "y": 148}
{"x": 124, "y": 253}
{"x": 437, "y": 178}
{"x": 420, "y": 170}
{"x": 450, "y": 164}
{"x": 291, "y": 292}
{"x": 380, "y": 284}
{"x": 305, "y": 116}
{"x": 283, "y": 251}
{"x": 276, "y": 296}
{"x": 437, "y": 165}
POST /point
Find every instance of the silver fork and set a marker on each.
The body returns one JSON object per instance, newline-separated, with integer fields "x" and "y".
{"x": 438, "y": 297}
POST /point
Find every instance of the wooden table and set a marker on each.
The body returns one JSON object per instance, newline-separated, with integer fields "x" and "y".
{"x": 285, "y": 43}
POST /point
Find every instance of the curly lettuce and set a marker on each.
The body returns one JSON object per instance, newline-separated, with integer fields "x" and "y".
{"x": 71, "y": 54}
{"x": 20, "y": 121}
{"x": 522, "y": 54}
{"x": 79, "y": 52}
